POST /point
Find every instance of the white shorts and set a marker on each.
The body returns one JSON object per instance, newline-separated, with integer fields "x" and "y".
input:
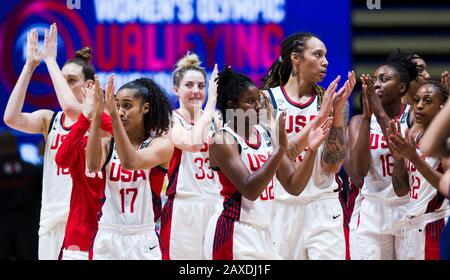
{"x": 421, "y": 235}
{"x": 233, "y": 240}
{"x": 71, "y": 255}
{"x": 375, "y": 233}
{"x": 125, "y": 242}
{"x": 309, "y": 230}
{"x": 184, "y": 227}
{"x": 51, "y": 241}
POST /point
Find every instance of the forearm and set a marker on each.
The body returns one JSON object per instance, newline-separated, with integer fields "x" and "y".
{"x": 127, "y": 154}
{"x": 400, "y": 180}
{"x": 252, "y": 186}
{"x": 333, "y": 152}
{"x": 360, "y": 152}
{"x": 300, "y": 178}
{"x": 298, "y": 142}
{"x": 433, "y": 142}
{"x": 68, "y": 151}
{"x": 13, "y": 111}
{"x": 383, "y": 120}
{"x": 431, "y": 175}
{"x": 66, "y": 98}
{"x": 94, "y": 151}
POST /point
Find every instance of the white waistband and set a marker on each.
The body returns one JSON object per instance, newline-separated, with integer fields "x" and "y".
{"x": 428, "y": 217}
{"x": 306, "y": 200}
{"x": 127, "y": 229}
{"x": 391, "y": 202}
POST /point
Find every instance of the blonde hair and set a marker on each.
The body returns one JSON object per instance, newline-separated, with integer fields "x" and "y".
{"x": 190, "y": 61}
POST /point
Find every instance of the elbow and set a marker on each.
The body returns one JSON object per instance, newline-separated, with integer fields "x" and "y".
{"x": 93, "y": 167}
{"x": 332, "y": 168}
{"x": 128, "y": 165}
{"x": 401, "y": 192}
{"x": 8, "y": 120}
{"x": 250, "y": 195}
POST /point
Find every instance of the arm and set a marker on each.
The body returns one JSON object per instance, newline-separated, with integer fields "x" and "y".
{"x": 400, "y": 180}
{"x": 433, "y": 142}
{"x": 38, "y": 121}
{"x": 295, "y": 181}
{"x": 96, "y": 148}
{"x": 192, "y": 140}
{"x": 227, "y": 158}
{"x": 66, "y": 98}
{"x": 407, "y": 149}
{"x": 375, "y": 106}
{"x": 333, "y": 154}
{"x": 298, "y": 141}
{"x": 444, "y": 184}
{"x": 68, "y": 151}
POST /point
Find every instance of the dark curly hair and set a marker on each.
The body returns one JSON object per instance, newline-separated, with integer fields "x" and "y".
{"x": 405, "y": 69}
{"x": 230, "y": 84}
{"x": 281, "y": 68}
{"x": 440, "y": 87}
{"x": 158, "y": 119}
{"x": 83, "y": 58}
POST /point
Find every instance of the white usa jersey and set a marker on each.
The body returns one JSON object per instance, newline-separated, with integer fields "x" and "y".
{"x": 235, "y": 205}
{"x": 56, "y": 183}
{"x": 298, "y": 116}
{"x": 128, "y": 193}
{"x": 378, "y": 182}
{"x": 190, "y": 174}
{"x": 424, "y": 197}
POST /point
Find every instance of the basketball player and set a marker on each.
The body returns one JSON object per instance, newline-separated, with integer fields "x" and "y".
{"x": 316, "y": 215}
{"x": 54, "y": 126}
{"x": 374, "y": 235}
{"x": 192, "y": 192}
{"x": 135, "y": 160}
{"x": 418, "y": 176}
{"x": 246, "y": 161}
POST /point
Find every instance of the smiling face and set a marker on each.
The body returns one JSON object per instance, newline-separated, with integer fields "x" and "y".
{"x": 312, "y": 63}
{"x": 191, "y": 91}
{"x": 388, "y": 86}
{"x": 131, "y": 109}
{"x": 427, "y": 103}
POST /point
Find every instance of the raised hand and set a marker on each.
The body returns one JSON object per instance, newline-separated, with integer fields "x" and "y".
{"x": 343, "y": 93}
{"x": 367, "y": 112}
{"x": 33, "y": 56}
{"x": 445, "y": 80}
{"x": 318, "y": 133}
{"x": 110, "y": 98}
{"x": 88, "y": 101}
{"x": 98, "y": 99}
{"x": 398, "y": 145}
{"x": 212, "y": 84}
{"x": 327, "y": 101}
{"x": 49, "y": 50}
{"x": 280, "y": 138}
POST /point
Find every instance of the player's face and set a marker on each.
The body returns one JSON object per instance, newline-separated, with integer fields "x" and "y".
{"x": 427, "y": 103}
{"x": 423, "y": 75}
{"x": 131, "y": 109}
{"x": 312, "y": 66}
{"x": 387, "y": 84}
{"x": 192, "y": 90}
{"x": 73, "y": 73}
{"x": 250, "y": 100}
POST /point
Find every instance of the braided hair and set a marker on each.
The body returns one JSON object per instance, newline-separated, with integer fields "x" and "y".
{"x": 281, "y": 68}
{"x": 403, "y": 56}
{"x": 230, "y": 84}
{"x": 158, "y": 119}
{"x": 83, "y": 58}
{"x": 189, "y": 62}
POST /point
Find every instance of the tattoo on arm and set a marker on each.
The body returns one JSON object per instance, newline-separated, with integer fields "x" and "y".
{"x": 400, "y": 180}
{"x": 334, "y": 146}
